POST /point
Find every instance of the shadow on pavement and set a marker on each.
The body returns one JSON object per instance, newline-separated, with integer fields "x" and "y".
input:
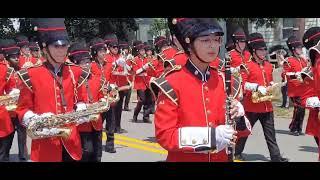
{"x": 279, "y": 131}
{"x": 308, "y": 149}
{"x": 151, "y": 139}
{"x": 255, "y": 157}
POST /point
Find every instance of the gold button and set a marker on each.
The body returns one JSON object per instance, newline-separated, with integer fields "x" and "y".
{"x": 210, "y": 124}
{"x": 207, "y": 100}
{"x": 208, "y": 112}
{"x": 206, "y": 88}
{"x": 59, "y": 112}
{"x": 57, "y": 88}
{"x": 58, "y": 104}
{"x": 194, "y": 141}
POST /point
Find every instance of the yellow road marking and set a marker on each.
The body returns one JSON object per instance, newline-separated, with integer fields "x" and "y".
{"x": 141, "y": 147}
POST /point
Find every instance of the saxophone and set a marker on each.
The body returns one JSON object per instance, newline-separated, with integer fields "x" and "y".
{"x": 56, "y": 125}
{"x": 9, "y": 101}
{"x": 257, "y": 97}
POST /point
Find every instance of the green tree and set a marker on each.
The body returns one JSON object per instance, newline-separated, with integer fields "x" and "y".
{"x": 158, "y": 26}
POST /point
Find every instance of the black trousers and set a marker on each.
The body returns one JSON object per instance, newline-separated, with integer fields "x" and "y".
{"x": 91, "y": 146}
{"x": 5, "y": 146}
{"x": 109, "y": 117}
{"x": 284, "y": 91}
{"x": 145, "y": 97}
{"x": 22, "y": 138}
{"x": 298, "y": 115}
{"x": 127, "y": 98}
{"x": 118, "y": 110}
{"x": 267, "y": 122}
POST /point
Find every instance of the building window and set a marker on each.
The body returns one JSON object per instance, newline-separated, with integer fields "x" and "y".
{"x": 287, "y": 28}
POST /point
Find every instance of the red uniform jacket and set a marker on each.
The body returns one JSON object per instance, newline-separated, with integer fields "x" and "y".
{"x": 45, "y": 96}
{"x": 23, "y": 59}
{"x": 158, "y": 67}
{"x": 294, "y": 64}
{"x": 94, "y": 83}
{"x": 141, "y": 81}
{"x": 180, "y": 58}
{"x": 200, "y": 103}
{"x": 262, "y": 76}
{"x": 6, "y": 84}
{"x": 237, "y": 59}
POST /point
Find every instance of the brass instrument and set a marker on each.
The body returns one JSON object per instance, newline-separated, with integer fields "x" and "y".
{"x": 9, "y": 101}
{"x": 257, "y": 97}
{"x": 59, "y": 122}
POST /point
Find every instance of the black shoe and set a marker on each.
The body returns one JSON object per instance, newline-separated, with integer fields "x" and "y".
{"x": 110, "y": 149}
{"x": 135, "y": 118}
{"x": 281, "y": 159}
{"x": 296, "y": 133}
{"x": 146, "y": 120}
{"x": 126, "y": 109}
{"x": 120, "y": 131}
{"x": 22, "y": 159}
{"x": 301, "y": 133}
{"x": 239, "y": 157}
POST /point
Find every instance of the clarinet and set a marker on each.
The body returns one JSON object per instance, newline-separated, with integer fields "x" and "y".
{"x": 229, "y": 120}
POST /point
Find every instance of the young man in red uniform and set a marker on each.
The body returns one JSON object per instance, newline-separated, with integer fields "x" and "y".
{"x": 311, "y": 39}
{"x": 51, "y": 88}
{"x": 12, "y": 53}
{"x": 124, "y": 47}
{"x": 141, "y": 82}
{"x": 118, "y": 77}
{"x": 25, "y": 59}
{"x": 90, "y": 132}
{"x": 292, "y": 68}
{"x": 259, "y": 78}
{"x": 98, "y": 51}
{"x": 190, "y": 114}
{"x": 7, "y": 87}
{"x": 239, "y": 55}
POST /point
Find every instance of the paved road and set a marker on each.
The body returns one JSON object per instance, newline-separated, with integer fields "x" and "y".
{"x": 138, "y": 145}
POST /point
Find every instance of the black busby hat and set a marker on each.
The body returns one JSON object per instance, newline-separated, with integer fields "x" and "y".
{"x": 311, "y": 41}
{"x": 293, "y": 42}
{"x": 97, "y": 44}
{"x": 9, "y": 47}
{"x": 256, "y": 41}
{"x": 137, "y": 45}
{"x": 123, "y": 45}
{"x": 187, "y": 30}
{"x": 147, "y": 46}
{"x": 1, "y": 45}
{"x": 51, "y": 31}
{"x": 160, "y": 41}
{"x": 34, "y": 46}
{"x": 238, "y": 35}
{"x": 22, "y": 40}
{"x": 78, "y": 51}
{"x": 229, "y": 45}
{"x": 311, "y": 37}
{"x": 111, "y": 39}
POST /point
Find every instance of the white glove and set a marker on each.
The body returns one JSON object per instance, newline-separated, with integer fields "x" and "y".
{"x": 81, "y": 106}
{"x": 27, "y": 117}
{"x": 235, "y": 70}
{"x": 224, "y": 135}
{"x": 121, "y": 62}
{"x": 146, "y": 66}
{"x": 130, "y": 56}
{"x": 83, "y": 120}
{"x": 14, "y": 91}
{"x": 313, "y": 102}
{"x": 240, "y": 110}
{"x": 262, "y": 90}
{"x": 250, "y": 86}
{"x": 47, "y": 132}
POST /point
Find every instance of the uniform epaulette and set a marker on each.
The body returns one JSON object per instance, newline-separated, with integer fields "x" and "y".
{"x": 84, "y": 75}
{"x": 162, "y": 84}
{"x": 24, "y": 76}
{"x": 9, "y": 73}
{"x": 169, "y": 62}
{"x": 70, "y": 64}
